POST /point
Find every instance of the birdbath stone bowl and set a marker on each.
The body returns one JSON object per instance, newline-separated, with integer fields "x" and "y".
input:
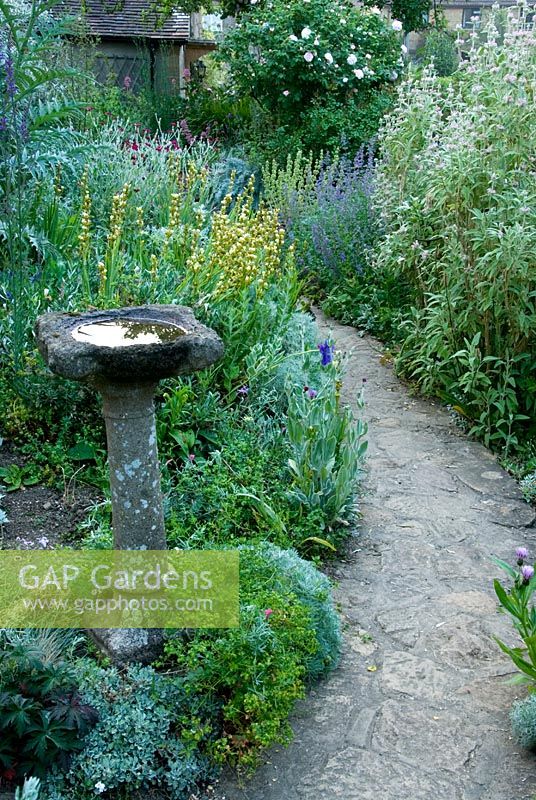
{"x": 123, "y": 353}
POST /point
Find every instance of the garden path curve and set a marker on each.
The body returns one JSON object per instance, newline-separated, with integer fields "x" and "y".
{"x": 418, "y": 711}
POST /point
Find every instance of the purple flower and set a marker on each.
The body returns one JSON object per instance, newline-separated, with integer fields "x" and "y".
{"x": 311, "y": 393}
{"x": 522, "y": 552}
{"x": 24, "y": 129}
{"x": 326, "y": 352}
{"x": 527, "y": 572}
{"x": 243, "y": 391}
{"x": 11, "y": 86}
{"x": 191, "y": 458}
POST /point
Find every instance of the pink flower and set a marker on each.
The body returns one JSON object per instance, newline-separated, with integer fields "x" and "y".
{"x": 308, "y": 56}
{"x": 268, "y": 613}
{"x": 127, "y": 82}
{"x": 286, "y": 92}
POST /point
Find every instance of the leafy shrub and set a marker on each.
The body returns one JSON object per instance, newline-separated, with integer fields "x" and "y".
{"x": 440, "y": 50}
{"x": 209, "y": 501}
{"x": 43, "y": 718}
{"x": 523, "y": 719}
{"x": 151, "y": 733}
{"x": 461, "y": 235}
{"x": 289, "y": 633}
{"x": 293, "y": 60}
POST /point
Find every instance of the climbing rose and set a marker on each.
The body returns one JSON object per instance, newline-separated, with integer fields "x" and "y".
{"x": 308, "y": 56}
{"x": 328, "y": 57}
{"x": 359, "y": 73}
{"x": 352, "y": 59}
{"x": 306, "y": 33}
{"x": 396, "y": 25}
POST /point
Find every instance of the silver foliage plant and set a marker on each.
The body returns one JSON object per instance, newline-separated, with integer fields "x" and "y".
{"x": 457, "y": 199}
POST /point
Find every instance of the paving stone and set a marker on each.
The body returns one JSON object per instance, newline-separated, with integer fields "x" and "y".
{"x": 405, "y": 730}
{"x": 355, "y": 774}
{"x": 411, "y": 675}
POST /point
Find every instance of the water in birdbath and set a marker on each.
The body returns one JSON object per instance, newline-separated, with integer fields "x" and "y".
{"x": 127, "y": 332}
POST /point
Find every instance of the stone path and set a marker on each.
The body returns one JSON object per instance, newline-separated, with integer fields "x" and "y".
{"x": 418, "y": 709}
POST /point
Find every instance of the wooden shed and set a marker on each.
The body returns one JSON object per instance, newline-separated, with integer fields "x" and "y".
{"x": 134, "y": 43}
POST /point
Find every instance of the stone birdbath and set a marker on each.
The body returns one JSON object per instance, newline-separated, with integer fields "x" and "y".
{"x": 123, "y": 353}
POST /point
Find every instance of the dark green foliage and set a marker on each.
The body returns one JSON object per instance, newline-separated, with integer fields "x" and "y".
{"x": 413, "y": 14}
{"x": 211, "y": 499}
{"x": 43, "y": 718}
{"x": 318, "y": 72}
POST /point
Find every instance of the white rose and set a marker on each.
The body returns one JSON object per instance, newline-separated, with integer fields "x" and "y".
{"x": 306, "y": 32}
{"x": 328, "y": 57}
{"x": 396, "y": 25}
{"x": 359, "y": 73}
{"x": 352, "y": 59}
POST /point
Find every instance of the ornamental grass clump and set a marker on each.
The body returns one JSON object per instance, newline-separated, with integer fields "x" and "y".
{"x": 457, "y": 198}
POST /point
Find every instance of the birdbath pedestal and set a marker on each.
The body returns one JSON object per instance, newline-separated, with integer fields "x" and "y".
{"x": 123, "y": 353}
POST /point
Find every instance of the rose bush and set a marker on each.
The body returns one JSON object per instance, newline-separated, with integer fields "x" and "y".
{"x": 296, "y": 59}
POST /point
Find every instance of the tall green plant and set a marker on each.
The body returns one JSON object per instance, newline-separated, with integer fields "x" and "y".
{"x": 34, "y": 140}
{"x": 460, "y": 223}
{"x": 327, "y": 446}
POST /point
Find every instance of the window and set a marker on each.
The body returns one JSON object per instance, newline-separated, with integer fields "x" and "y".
{"x": 471, "y": 17}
